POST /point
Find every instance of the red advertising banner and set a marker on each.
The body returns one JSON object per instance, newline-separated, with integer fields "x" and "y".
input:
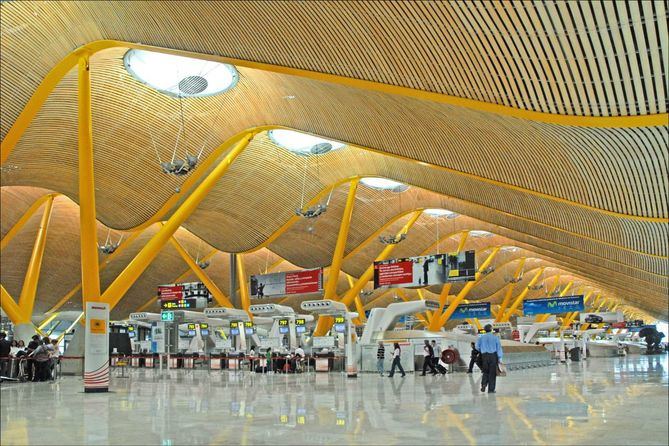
{"x": 399, "y": 273}
{"x": 301, "y": 282}
{"x": 170, "y": 292}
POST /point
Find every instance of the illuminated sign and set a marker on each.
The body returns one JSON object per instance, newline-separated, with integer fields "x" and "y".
{"x": 191, "y": 326}
{"x": 300, "y": 325}
{"x": 553, "y": 305}
{"x": 204, "y": 332}
{"x": 234, "y": 328}
{"x": 249, "y": 327}
{"x": 283, "y": 326}
{"x": 167, "y": 316}
{"x": 340, "y": 324}
{"x": 204, "y": 326}
{"x": 424, "y": 271}
{"x": 286, "y": 283}
{"x": 178, "y": 304}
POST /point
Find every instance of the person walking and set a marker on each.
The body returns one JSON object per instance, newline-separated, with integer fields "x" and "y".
{"x": 491, "y": 354}
{"x": 428, "y": 358}
{"x": 473, "y": 358}
{"x": 380, "y": 356}
{"x": 5, "y": 349}
{"x": 268, "y": 357}
{"x": 396, "y": 361}
{"x": 436, "y": 350}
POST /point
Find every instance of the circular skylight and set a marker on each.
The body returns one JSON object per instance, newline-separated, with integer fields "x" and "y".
{"x": 384, "y": 184}
{"x": 303, "y": 143}
{"x": 436, "y": 212}
{"x": 479, "y": 233}
{"x": 180, "y": 76}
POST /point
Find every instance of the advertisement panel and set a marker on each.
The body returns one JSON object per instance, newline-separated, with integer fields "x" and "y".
{"x": 470, "y": 311}
{"x": 435, "y": 269}
{"x": 286, "y": 283}
{"x": 596, "y": 318}
{"x": 553, "y": 305}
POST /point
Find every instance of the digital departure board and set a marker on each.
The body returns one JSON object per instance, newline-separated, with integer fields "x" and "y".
{"x": 340, "y": 324}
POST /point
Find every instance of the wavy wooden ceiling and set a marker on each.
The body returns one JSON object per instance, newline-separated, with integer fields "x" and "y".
{"x": 590, "y": 59}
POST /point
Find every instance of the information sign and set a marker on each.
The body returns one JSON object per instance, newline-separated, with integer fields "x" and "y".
{"x": 249, "y": 328}
{"x": 300, "y": 325}
{"x": 552, "y": 305}
{"x": 234, "y": 328}
{"x": 283, "y": 326}
{"x": 167, "y": 316}
{"x": 340, "y": 324}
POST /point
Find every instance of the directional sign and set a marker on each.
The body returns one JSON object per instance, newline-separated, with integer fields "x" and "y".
{"x": 167, "y": 316}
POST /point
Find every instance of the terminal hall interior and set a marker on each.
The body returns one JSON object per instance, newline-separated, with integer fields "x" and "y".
{"x": 334, "y": 222}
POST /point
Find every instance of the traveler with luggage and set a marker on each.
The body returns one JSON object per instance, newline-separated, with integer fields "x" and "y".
{"x": 428, "y": 358}
{"x": 491, "y": 354}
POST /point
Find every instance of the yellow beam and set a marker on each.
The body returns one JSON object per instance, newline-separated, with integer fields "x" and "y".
{"x": 68, "y": 62}
{"x": 509, "y": 290}
{"x": 243, "y": 285}
{"x": 324, "y": 324}
{"x": 29, "y": 289}
{"x": 521, "y": 296}
{"x": 103, "y": 264}
{"x": 24, "y": 219}
{"x": 221, "y": 299}
{"x": 148, "y": 253}
{"x": 10, "y": 307}
{"x": 338, "y": 255}
{"x": 90, "y": 272}
{"x": 179, "y": 279}
{"x": 438, "y": 323}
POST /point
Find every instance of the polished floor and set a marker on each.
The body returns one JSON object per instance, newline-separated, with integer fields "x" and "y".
{"x": 612, "y": 401}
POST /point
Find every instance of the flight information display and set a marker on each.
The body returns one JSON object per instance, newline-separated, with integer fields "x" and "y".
{"x": 283, "y": 326}
{"x": 340, "y": 324}
{"x": 424, "y": 271}
{"x": 234, "y": 328}
{"x": 249, "y": 328}
{"x": 300, "y": 325}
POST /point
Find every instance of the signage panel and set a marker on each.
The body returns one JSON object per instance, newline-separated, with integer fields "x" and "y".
{"x": 594, "y": 317}
{"x": 234, "y": 328}
{"x": 286, "y": 283}
{"x": 323, "y": 342}
{"x": 249, "y": 328}
{"x": 470, "y": 311}
{"x": 340, "y": 324}
{"x": 96, "y": 360}
{"x": 178, "y": 291}
{"x": 300, "y": 325}
{"x": 167, "y": 316}
{"x": 180, "y": 304}
{"x": 435, "y": 269}
{"x": 552, "y": 305}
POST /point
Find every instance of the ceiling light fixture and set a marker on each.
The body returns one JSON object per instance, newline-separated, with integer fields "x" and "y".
{"x": 437, "y": 212}
{"x": 180, "y": 76}
{"x": 303, "y": 143}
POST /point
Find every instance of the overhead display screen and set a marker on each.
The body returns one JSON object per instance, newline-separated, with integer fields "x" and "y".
{"x": 435, "y": 269}
{"x": 300, "y": 325}
{"x": 249, "y": 328}
{"x": 234, "y": 328}
{"x": 340, "y": 324}
{"x": 178, "y": 304}
{"x": 183, "y": 295}
{"x": 283, "y": 326}
{"x": 286, "y": 283}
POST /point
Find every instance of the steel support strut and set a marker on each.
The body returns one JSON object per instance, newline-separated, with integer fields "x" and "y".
{"x": 90, "y": 272}
{"x": 522, "y": 295}
{"x": 29, "y": 289}
{"x": 243, "y": 285}
{"x": 148, "y": 253}
{"x": 221, "y": 299}
{"x": 509, "y": 291}
{"x": 10, "y": 307}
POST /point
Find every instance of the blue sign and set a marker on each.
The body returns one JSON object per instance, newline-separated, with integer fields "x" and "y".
{"x": 553, "y": 305}
{"x": 469, "y": 311}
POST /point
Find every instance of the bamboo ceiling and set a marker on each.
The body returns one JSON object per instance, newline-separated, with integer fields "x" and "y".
{"x": 589, "y": 201}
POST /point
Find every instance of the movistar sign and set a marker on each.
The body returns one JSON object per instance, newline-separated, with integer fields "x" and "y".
{"x": 468, "y": 311}
{"x": 553, "y": 305}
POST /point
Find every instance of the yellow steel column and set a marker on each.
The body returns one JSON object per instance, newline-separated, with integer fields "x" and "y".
{"x": 324, "y": 324}
{"x": 24, "y": 219}
{"x": 243, "y": 285}
{"x": 446, "y": 288}
{"x": 509, "y": 291}
{"x": 142, "y": 260}
{"x": 521, "y": 296}
{"x": 10, "y": 307}
{"x": 90, "y": 272}
{"x": 437, "y": 323}
{"x": 338, "y": 255}
{"x": 221, "y": 299}
{"x": 29, "y": 289}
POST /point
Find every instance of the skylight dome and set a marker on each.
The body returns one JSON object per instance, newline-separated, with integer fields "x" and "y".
{"x": 384, "y": 184}
{"x": 479, "y": 233}
{"x": 303, "y": 143}
{"x": 437, "y": 212}
{"x": 180, "y": 76}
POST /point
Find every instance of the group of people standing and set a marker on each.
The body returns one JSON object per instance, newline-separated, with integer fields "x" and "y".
{"x": 486, "y": 353}
{"x": 41, "y": 354}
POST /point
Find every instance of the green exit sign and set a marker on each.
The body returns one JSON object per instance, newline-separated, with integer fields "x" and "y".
{"x": 167, "y": 315}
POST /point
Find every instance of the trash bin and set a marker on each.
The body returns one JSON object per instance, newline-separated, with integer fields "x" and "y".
{"x": 575, "y": 354}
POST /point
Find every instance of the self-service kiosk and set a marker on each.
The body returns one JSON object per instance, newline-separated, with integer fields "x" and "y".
{"x": 343, "y": 325}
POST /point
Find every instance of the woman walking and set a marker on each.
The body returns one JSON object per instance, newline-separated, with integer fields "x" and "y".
{"x": 396, "y": 361}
